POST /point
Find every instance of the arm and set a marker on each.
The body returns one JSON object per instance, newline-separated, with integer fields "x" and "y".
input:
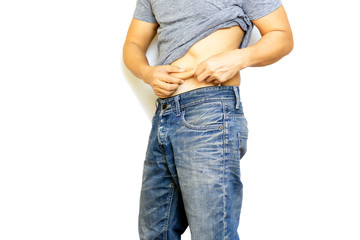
{"x": 276, "y": 42}
{"x": 138, "y": 39}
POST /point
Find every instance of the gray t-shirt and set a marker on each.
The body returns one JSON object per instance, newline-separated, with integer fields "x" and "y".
{"x": 183, "y": 22}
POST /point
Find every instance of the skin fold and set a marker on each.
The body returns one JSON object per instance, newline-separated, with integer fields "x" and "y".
{"x": 214, "y": 60}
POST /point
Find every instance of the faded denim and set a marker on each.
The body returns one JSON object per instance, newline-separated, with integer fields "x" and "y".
{"x": 191, "y": 174}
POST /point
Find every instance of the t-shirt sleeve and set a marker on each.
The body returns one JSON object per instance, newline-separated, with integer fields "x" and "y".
{"x": 256, "y": 9}
{"x": 144, "y": 12}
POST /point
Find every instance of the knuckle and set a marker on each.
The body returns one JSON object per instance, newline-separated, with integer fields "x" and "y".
{"x": 156, "y": 74}
{"x": 175, "y": 80}
{"x": 154, "y": 83}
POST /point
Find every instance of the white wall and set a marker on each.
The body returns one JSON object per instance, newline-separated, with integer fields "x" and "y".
{"x": 74, "y": 125}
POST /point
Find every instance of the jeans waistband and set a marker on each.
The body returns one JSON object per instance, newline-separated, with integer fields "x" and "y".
{"x": 176, "y": 102}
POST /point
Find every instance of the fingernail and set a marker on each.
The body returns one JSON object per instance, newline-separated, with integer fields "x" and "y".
{"x": 181, "y": 69}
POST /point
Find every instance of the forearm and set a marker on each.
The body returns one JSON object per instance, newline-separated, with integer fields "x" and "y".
{"x": 269, "y": 49}
{"x": 275, "y": 43}
{"x": 135, "y": 59}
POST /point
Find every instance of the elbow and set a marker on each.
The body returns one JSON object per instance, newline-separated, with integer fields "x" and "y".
{"x": 124, "y": 58}
{"x": 285, "y": 41}
{"x": 288, "y": 43}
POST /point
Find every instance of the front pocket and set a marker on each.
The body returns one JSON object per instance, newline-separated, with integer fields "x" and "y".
{"x": 205, "y": 115}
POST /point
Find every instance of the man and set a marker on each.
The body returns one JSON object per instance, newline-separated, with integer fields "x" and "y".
{"x": 192, "y": 168}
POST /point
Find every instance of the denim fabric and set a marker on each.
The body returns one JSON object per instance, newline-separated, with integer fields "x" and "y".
{"x": 191, "y": 174}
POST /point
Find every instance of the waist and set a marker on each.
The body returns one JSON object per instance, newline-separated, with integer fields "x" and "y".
{"x": 192, "y": 82}
{"x": 189, "y": 62}
{"x": 217, "y": 42}
{"x": 199, "y": 95}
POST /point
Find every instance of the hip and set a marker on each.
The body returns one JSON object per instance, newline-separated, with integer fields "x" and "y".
{"x": 205, "y": 115}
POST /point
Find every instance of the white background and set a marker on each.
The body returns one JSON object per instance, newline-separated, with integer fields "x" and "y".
{"x": 74, "y": 125}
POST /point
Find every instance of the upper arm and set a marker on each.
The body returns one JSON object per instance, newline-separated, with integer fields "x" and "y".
{"x": 141, "y": 33}
{"x": 274, "y": 21}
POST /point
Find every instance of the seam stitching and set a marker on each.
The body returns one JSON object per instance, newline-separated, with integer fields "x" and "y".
{"x": 169, "y": 202}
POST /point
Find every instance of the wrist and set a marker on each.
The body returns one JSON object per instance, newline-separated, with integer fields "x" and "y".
{"x": 244, "y": 57}
{"x": 144, "y": 73}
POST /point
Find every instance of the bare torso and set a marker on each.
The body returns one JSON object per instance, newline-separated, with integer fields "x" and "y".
{"x": 219, "y": 41}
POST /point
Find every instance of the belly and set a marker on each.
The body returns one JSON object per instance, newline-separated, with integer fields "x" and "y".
{"x": 219, "y": 41}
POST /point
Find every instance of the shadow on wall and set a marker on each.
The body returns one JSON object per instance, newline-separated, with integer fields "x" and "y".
{"x": 142, "y": 91}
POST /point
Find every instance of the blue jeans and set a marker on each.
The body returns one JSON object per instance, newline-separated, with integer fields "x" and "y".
{"x": 191, "y": 174}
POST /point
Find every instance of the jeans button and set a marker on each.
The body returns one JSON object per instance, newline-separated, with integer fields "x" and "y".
{"x": 164, "y": 106}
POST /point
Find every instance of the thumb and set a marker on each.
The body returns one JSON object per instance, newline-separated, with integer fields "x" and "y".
{"x": 170, "y": 69}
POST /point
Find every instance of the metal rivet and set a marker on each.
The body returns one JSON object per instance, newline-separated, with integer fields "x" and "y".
{"x": 221, "y": 127}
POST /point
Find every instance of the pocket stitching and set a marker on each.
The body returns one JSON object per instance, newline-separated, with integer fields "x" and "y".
{"x": 188, "y": 125}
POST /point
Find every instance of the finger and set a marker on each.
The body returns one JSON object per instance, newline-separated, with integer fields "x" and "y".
{"x": 184, "y": 75}
{"x": 173, "y": 80}
{"x": 203, "y": 76}
{"x": 199, "y": 69}
{"x": 217, "y": 82}
{"x": 211, "y": 79}
{"x": 168, "y": 86}
{"x": 165, "y": 93}
{"x": 175, "y": 69}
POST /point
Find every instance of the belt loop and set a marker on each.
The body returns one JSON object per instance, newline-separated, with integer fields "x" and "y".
{"x": 177, "y": 105}
{"x": 156, "y": 105}
{"x": 237, "y": 95}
